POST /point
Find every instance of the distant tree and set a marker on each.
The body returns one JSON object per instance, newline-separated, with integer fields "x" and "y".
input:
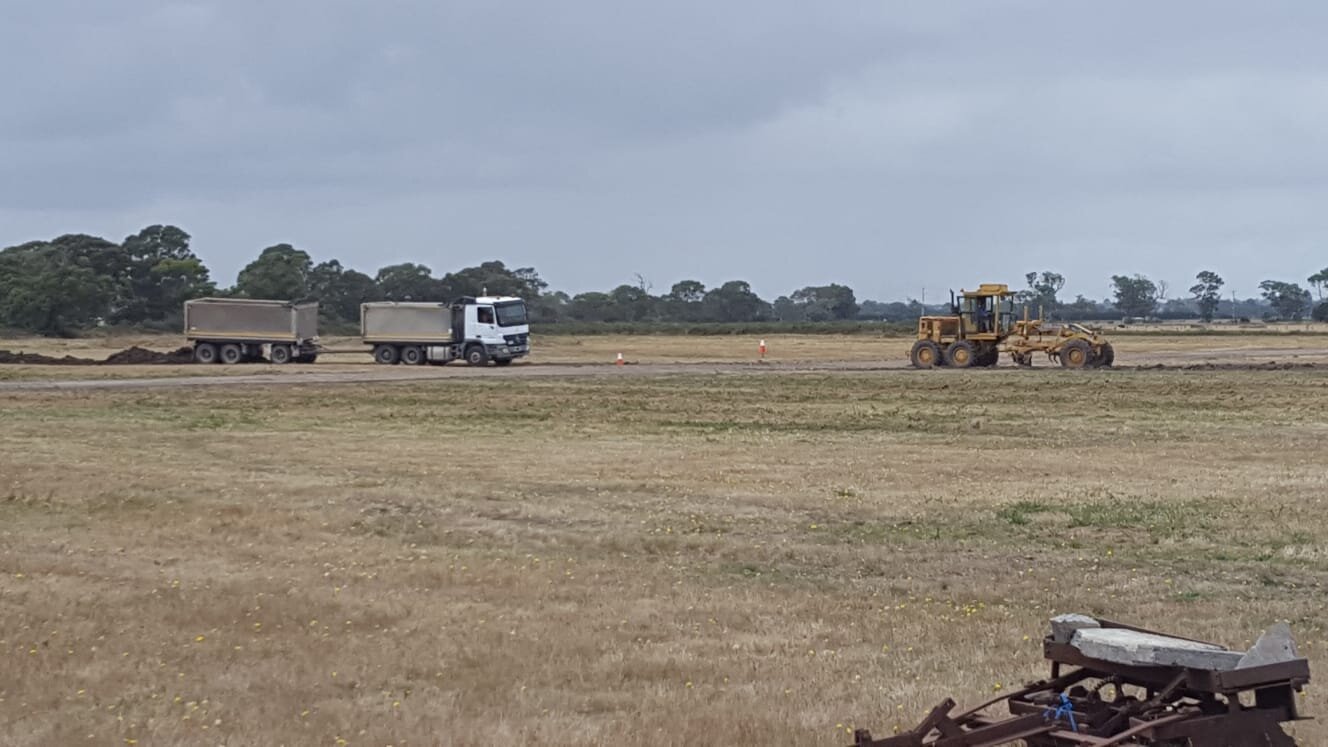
{"x": 340, "y": 292}
{"x": 1287, "y": 299}
{"x": 1163, "y": 287}
{"x": 1080, "y": 308}
{"x": 869, "y": 309}
{"x": 1318, "y": 280}
{"x": 162, "y": 273}
{"x": 549, "y": 307}
{"x": 493, "y": 279}
{"x": 534, "y": 284}
{"x": 1135, "y": 296}
{"x": 633, "y": 303}
{"x": 684, "y": 301}
{"x": 1207, "y": 293}
{"x": 58, "y": 287}
{"x": 1320, "y": 313}
{"x": 786, "y": 309}
{"x": 280, "y": 272}
{"x": 734, "y": 301}
{"x": 592, "y": 307}
{"x": 822, "y": 303}
{"x": 1042, "y": 290}
{"x": 688, "y": 291}
{"x": 411, "y": 282}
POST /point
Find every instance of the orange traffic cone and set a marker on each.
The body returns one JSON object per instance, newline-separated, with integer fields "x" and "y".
{"x": 620, "y": 360}
{"x": 762, "y": 349}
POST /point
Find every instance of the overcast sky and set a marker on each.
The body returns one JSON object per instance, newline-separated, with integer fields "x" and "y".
{"x": 885, "y": 144}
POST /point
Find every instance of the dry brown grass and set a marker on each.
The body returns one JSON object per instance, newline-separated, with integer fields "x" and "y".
{"x": 679, "y": 560}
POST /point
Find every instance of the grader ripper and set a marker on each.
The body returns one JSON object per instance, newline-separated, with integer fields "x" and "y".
{"x": 983, "y": 325}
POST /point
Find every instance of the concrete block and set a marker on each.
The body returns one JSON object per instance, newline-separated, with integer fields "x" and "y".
{"x": 1273, "y": 647}
{"x": 1063, "y": 626}
{"x": 1151, "y": 650}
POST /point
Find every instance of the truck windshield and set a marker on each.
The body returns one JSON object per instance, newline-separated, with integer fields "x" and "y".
{"x": 511, "y": 314}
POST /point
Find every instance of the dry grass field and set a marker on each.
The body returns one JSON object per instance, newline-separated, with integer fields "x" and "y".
{"x": 675, "y": 560}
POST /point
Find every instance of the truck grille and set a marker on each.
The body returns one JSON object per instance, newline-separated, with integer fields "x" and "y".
{"x": 516, "y": 339}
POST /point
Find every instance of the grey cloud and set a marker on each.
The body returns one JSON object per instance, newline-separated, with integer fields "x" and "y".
{"x": 888, "y": 145}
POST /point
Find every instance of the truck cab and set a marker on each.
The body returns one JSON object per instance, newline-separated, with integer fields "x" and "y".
{"x": 491, "y": 328}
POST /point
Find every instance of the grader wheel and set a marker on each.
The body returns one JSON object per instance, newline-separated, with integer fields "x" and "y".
{"x": 1076, "y": 354}
{"x": 1105, "y": 356}
{"x": 961, "y": 354}
{"x": 925, "y": 354}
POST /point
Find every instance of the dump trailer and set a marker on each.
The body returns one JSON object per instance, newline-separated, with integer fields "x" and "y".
{"x": 475, "y": 329}
{"x": 236, "y": 330}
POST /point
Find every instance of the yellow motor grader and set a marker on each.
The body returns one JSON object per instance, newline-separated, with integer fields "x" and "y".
{"x": 982, "y": 325}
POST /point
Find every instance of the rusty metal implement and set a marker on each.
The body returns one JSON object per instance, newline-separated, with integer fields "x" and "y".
{"x": 1137, "y": 688}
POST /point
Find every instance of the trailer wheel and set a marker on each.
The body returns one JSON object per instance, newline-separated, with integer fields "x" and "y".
{"x": 385, "y": 354}
{"x": 960, "y": 354}
{"x": 205, "y": 352}
{"x": 231, "y": 354}
{"x": 925, "y": 354}
{"x": 280, "y": 354}
{"x": 476, "y": 355}
{"x": 1076, "y": 354}
{"x": 412, "y": 355}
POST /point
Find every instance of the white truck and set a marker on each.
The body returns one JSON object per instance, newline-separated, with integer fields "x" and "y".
{"x": 478, "y": 330}
{"x": 237, "y": 330}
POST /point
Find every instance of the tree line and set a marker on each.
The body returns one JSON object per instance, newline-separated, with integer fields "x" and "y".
{"x": 76, "y": 281}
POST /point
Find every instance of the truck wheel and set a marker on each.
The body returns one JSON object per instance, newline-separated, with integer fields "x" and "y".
{"x": 476, "y": 355}
{"x": 385, "y": 354}
{"x": 502, "y": 361}
{"x": 1076, "y": 354}
{"x": 960, "y": 354}
{"x": 231, "y": 354}
{"x": 412, "y": 356}
{"x": 280, "y": 354}
{"x": 925, "y": 354}
{"x": 205, "y": 352}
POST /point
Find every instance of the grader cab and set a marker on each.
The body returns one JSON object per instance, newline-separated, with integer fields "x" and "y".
{"x": 982, "y": 325}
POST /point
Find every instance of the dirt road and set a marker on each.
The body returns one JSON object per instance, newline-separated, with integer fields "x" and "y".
{"x": 381, "y": 374}
{"x": 402, "y": 374}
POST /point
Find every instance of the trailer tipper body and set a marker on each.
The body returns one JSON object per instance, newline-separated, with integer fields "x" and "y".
{"x": 477, "y": 330}
{"x": 234, "y": 330}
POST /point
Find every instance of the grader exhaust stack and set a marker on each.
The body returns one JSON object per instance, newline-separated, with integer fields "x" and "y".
{"x": 982, "y": 326}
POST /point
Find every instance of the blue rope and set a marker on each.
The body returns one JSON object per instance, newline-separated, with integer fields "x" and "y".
{"x": 1064, "y": 710}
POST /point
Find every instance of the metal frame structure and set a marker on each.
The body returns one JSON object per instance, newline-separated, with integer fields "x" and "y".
{"x": 1099, "y": 703}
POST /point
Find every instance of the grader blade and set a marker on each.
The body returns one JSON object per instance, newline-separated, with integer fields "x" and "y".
{"x": 1113, "y": 684}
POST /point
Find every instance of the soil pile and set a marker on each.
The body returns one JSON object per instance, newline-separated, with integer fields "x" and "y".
{"x": 132, "y": 356}
{"x": 136, "y": 356}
